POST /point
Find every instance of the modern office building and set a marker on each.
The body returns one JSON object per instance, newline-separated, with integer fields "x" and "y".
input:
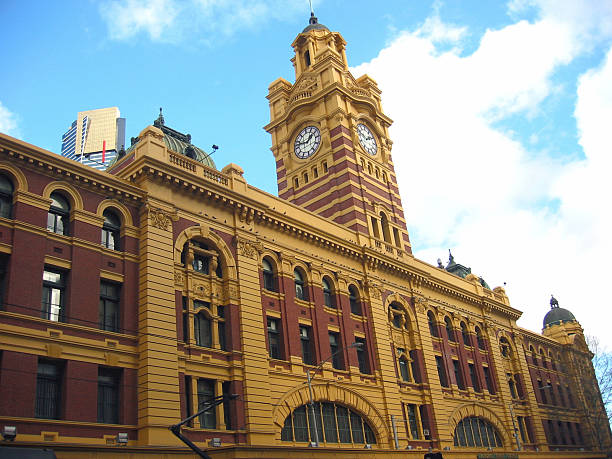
{"x": 133, "y": 297}
{"x": 95, "y": 137}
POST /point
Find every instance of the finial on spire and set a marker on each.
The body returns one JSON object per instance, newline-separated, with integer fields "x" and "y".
{"x": 160, "y": 119}
{"x": 311, "y": 10}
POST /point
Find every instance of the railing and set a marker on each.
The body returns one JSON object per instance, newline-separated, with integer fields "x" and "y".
{"x": 300, "y": 95}
{"x": 215, "y": 176}
{"x": 181, "y": 161}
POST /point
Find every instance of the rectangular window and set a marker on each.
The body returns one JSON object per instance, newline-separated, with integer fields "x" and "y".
{"x": 458, "y": 375}
{"x": 4, "y": 259}
{"x": 396, "y": 237}
{"x": 307, "y": 356}
{"x": 413, "y": 421}
{"x": 315, "y": 172}
{"x": 185, "y": 320}
{"x": 48, "y": 389}
{"x": 108, "y": 396}
{"x": 474, "y": 378}
{"x": 325, "y": 167}
{"x": 414, "y": 366}
{"x": 206, "y": 391}
{"x": 511, "y": 385}
{"x": 441, "y": 371}
{"x": 334, "y": 347}
{"x": 108, "y": 315}
{"x": 202, "y": 330}
{"x": 488, "y": 380}
{"x": 227, "y": 418}
{"x": 362, "y": 356}
{"x": 54, "y": 295}
{"x": 274, "y": 338}
{"x": 189, "y": 399}
{"x": 519, "y": 385}
{"x": 521, "y": 424}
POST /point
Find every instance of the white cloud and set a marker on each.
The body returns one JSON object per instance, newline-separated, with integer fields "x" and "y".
{"x": 173, "y": 21}
{"x": 8, "y": 121}
{"x": 127, "y": 19}
{"x": 513, "y": 214}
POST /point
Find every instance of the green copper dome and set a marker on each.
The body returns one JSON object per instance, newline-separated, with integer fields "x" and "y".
{"x": 557, "y": 316}
{"x": 181, "y": 143}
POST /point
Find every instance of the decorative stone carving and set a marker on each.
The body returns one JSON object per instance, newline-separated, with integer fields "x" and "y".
{"x": 420, "y": 304}
{"x": 247, "y": 248}
{"x": 374, "y": 289}
{"x": 178, "y": 278}
{"x": 161, "y": 219}
{"x": 201, "y": 290}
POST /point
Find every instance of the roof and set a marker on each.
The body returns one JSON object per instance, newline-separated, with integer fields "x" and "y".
{"x": 177, "y": 142}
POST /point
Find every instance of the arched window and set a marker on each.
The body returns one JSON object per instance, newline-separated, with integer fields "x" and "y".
{"x": 504, "y": 347}
{"x": 512, "y": 386}
{"x": 6, "y": 197}
{"x": 476, "y": 431}
{"x": 300, "y": 286}
{"x": 480, "y": 338}
{"x": 534, "y": 356}
{"x": 465, "y": 334}
{"x": 58, "y": 217}
{"x": 542, "y": 357}
{"x": 384, "y": 222}
{"x": 335, "y": 424}
{"x": 269, "y": 279}
{"x": 449, "y": 329}
{"x": 404, "y": 366}
{"x": 433, "y": 329}
{"x": 328, "y": 293}
{"x": 111, "y": 230}
{"x": 354, "y": 300}
{"x": 202, "y": 330}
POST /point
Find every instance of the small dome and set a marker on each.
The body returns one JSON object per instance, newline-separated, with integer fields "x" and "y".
{"x": 314, "y": 24}
{"x": 557, "y": 316}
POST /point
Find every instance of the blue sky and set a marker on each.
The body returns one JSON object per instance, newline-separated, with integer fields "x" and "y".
{"x": 502, "y": 112}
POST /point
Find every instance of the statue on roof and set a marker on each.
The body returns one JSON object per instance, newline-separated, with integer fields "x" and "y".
{"x": 553, "y": 302}
{"x": 160, "y": 119}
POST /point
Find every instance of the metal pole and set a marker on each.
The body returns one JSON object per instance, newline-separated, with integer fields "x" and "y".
{"x": 394, "y": 431}
{"x": 312, "y": 412}
{"x": 516, "y": 435}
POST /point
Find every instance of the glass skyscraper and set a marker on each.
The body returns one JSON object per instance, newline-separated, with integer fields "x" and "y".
{"x": 95, "y": 137}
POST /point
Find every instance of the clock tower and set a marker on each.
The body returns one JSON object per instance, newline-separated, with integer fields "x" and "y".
{"x": 330, "y": 139}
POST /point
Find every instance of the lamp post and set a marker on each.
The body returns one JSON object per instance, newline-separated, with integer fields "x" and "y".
{"x": 309, "y": 379}
{"x": 516, "y": 434}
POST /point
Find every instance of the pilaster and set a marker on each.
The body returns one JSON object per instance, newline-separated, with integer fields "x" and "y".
{"x": 257, "y": 393}
{"x": 158, "y": 393}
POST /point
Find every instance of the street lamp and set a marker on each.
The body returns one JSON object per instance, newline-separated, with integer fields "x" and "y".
{"x": 309, "y": 378}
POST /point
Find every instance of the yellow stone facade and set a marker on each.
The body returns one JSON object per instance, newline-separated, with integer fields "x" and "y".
{"x": 343, "y": 225}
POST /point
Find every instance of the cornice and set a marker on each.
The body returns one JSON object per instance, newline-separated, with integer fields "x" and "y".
{"x": 322, "y": 93}
{"x": 48, "y": 163}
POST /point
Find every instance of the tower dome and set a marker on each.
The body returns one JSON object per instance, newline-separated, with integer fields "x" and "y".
{"x": 557, "y": 315}
{"x": 313, "y": 24}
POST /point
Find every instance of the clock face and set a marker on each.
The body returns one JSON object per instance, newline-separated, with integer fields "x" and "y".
{"x": 366, "y": 139}
{"x": 307, "y": 142}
